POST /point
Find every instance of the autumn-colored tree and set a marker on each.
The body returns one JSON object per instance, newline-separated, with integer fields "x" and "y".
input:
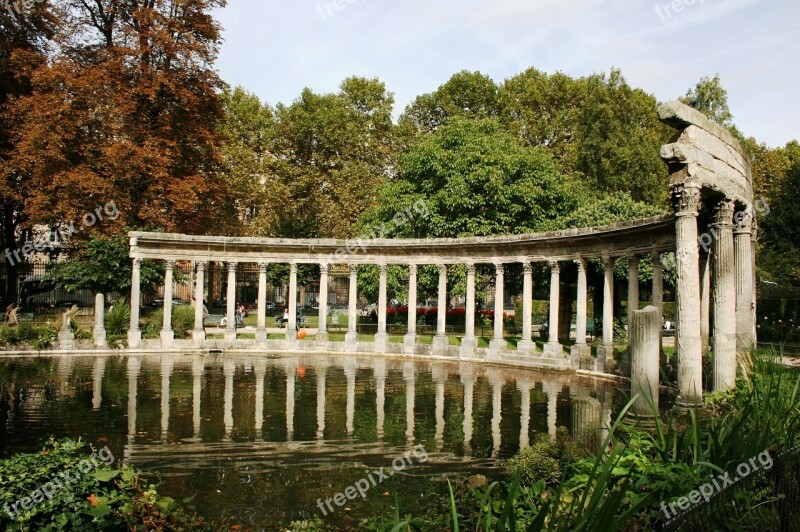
{"x": 126, "y": 111}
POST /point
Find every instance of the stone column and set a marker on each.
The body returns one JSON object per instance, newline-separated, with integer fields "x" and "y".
{"x": 498, "y": 343}
{"x": 551, "y": 390}
{"x": 230, "y": 324}
{"x": 581, "y": 348}
{"x": 645, "y": 338}
{"x": 167, "y": 364}
{"x": 553, "y": 348}
{"x": 134, "y": 333}
{"x": 439, "y": 376}
{"x": 705, "y": 302}
{"x": 687, "y": 339}
{"x": 633, "y": 285}
{"x": 409, "y": 378}
{"x": 98, "y": 371}
{"x": 321, "y": 372}
{"x": 440, "y": 341}
{"x": 410, "y": 340}
{"x": 229, "y": 371}
{"x": 658, "y": 281}
{"x": 199, "y": 332}
{"x": 496, "y": 382}
{"x": 468, "y": 380}
{"x": 753, "y": 298}
{"x": 605, "y": 353}
{"x": 745, "y": 312}
{"x": 291, "y": 381}
{"x": 198, "y": 369}
{"x": 291, "y": 327}
{"x": 379, "y": 371}
{"x": 351, "y": 338}
{"x": 381, "y": 338}
{"x": 167, "y": 334}
{"x": 261, "y": 327}
{"x": 525, "y": 388}
{"x": 99, "y": 320}
{"x": 260, "y": 371}
{"x": 322, "y": 331}
{"x": 526, "y": 344}
{"x": 350, "y": 407}
{"x": 724, "y": 296}
{"x": 469, "y": 343}
{"x": 133, "y": 367}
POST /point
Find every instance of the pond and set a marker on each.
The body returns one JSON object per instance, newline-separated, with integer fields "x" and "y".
{"x": 268, "y": 439}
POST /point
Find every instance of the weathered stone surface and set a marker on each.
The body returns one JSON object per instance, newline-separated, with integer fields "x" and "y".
{"x": 645, "y": 339}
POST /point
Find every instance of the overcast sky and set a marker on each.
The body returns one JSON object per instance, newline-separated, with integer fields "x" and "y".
{"x": 275, "y": 48}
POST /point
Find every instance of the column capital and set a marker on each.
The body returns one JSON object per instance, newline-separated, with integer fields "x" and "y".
{"x": 353, "y": 268}
{"x": 470, "y": 269}
{"x": 383, "y": 268}
{"x": 581, "y": 262}
{"x": 743, "y": 222}
{"x": 170, "y": 264}
{"x": 293, "y": 267}
{"x": 201, "y": 265}
{"x": 500, "y": 268}
{"x": 412, "y": 268}
{"x": 232, "y": 266}
{"x": 723, "y": 213}
{"x": 324, "y": 268}
{"x": 442, "y": 268}
{"x": 527, "y": 267}
{"x": 686, "y": 199}
{"x": 554, "y": 266}
{"x": 608, "y": 262}
{"x": 137, "y": 263}
{"x": 262, "y": 267}
{"x": 655, "y": 257}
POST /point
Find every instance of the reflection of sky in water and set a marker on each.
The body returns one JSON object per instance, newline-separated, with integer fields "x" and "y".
{"x": 260, "y": 438}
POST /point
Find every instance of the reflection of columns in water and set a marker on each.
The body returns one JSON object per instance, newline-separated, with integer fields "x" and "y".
{"x": 586, "y": 421}
{"x": 166, "y": 374}
{"x": 497, "y": 402}
{"x": 468, "y": 380}
{"x": 133, "y": 386}
{"x": 65, "y": 363}
{"x": 439, "y": 375}
{"x": 291, "y": 373}
{"x": 379, "y": 370}
{"x": 321, "y": 369}
{"x": 408, "y": 377}
{"x": 605, "y": 413}
{"x": 350, "y": 374}
{"x": 98, "y": 370}
{"x": 551, "y": 390}
{"x": 198, "y": 369}
{"x": 525, "y": 388}
{"x": 260, "y": 370}
{"x": 229, "y": 370}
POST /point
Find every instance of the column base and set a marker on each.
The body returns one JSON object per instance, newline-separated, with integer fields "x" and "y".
{"x": 469, "y": 345}
{"x": 261, "y": 337}
{"x": 66, "y": 339}
{"x": 439, "y": 346}
{"x": 527, "y": 347}
{"x": 688, "y": 402}
{"x": 351, "y": 341}
{"x": 381, "y": 339}
{"x": 167, "y": 339}
{"x": 497, "y": 346}
{"x": 582, "y": 358}
{"x": 606, "y": 358}
{"x": 199, "y": 337}
{"x": 553, "y": 349}
{"x": 99, "y": 338}
{"x": 134, "y": 339}
{"x": 230, "y": 335}
{"x": 410, "y": 343}
{"x": 322, "y": 336}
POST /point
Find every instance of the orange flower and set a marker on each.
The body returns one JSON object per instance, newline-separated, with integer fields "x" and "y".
{"x": 93, "y": 499}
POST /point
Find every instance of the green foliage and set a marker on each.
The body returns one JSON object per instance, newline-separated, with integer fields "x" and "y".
{"x": 93, "y": 494}
{"x": 25, "y": 334}
{"x": 182, "y": 322}
{"x": 102, "y": 265}
{"x": 118, "y": 319}
{"x": 606, "y": 210}
{"x": 547, "y": 459}
{"x": 710, "y": 98}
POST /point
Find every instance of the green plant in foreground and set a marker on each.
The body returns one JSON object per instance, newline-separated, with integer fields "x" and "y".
{"x": 102, "y": 498}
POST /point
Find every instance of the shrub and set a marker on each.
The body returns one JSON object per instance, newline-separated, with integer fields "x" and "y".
{"x": 182, "y": 322}
{"x": 118, "y": 319}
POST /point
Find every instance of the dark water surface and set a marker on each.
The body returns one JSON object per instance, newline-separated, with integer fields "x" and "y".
{"x": 260, "y": 438}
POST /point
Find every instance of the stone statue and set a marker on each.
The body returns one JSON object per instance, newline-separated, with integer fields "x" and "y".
{"x": 11, "y": 316}
{"x": 66, "y": 318}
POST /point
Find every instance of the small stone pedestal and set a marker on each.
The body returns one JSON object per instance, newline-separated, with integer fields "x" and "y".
{"x": 645, "y": 338}
{"x": 351, "y": 341}
{"x": 526, "y": 347}
{"x": 553, "y": 350}
{"x": 468, "y": 347}
{"x": 439, "y": 346}
{"x": 66, "y": 339}
{"x": 99, "y": 321}
{"x": 381, "y": 339}
{"x": 410, "y": 343}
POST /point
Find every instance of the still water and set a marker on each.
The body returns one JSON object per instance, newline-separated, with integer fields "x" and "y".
{"x": 260, "y": 438}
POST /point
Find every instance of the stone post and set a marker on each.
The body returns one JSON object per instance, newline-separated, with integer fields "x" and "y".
{"x": 230, "y": 323}
{"x": 633, "y": 285}
{"x": 291, "y": 327}
{"x": 745, "y": 314}
{"x": 581, "y": 349}
{"x": 410, "y": 339}
{"x": 553, "y": 348}
{"x": 440, "y": 341}
{"x": 645, "y": 338}
{"x": 753, "y": 298}
{"x": 351, "y": 338}
{"x": 724, "y": 296}
{"x": 99, "y": 320}
{"x": 469, "y": 343}
{"x": 381, "y": 338}
{"x": 687, "y": 339}
{"x": 605, "y": 353}
{"x": 134, "y": 333}
{"x": 167, "y": 334}
{"x": 526, "y": 344}
{"x": 705, "y": 301}
{"x": 322, "y": 331}
{"x": 261, "y": 326}
{"x": 199, "y": 332}
{"x": 498, "y": 343}
{"x": 658, "y": 281}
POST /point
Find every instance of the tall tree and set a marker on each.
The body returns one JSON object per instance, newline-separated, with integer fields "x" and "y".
{"x": 710, "y": 98}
